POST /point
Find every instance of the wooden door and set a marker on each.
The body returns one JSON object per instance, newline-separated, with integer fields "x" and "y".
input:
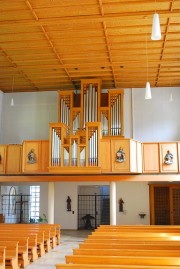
{"x": 165, "y": 204}
{"x": 175, "y": 207}
{"x": 161, "y": 206}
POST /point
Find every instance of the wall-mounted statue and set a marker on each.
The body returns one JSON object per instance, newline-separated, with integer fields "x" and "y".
{"x": 120, "y": 156}
{"x": 32, "y": 157}
{"x": 68, "y": 203}
{"x": 168, "y": 158}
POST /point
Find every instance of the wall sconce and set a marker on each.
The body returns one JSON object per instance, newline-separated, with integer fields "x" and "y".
{"x": 121, "y": 202}
{"x": 68, "y": 201}
{"x": 142, "y": 215}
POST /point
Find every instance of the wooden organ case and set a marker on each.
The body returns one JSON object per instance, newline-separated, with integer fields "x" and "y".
{"x": 83, "y": 120}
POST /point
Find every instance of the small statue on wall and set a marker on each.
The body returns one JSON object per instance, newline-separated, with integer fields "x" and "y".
{"x": 168, "y": 158}
{"x": 68, "y": 203}
{"x": 121, "y": 202}
{"x": 120, "y": 156}
{"x": 31, "y": 157}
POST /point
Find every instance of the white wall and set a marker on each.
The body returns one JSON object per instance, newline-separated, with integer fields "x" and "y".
{"x": 134, "y": 194}
{"x": 29, "y": 117}
{"x": 156, "y": 119}
{"x": 153, "y": 120}
{"x": 136, "y": 200}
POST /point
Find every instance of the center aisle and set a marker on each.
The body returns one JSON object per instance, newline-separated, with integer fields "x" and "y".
{"x": 69, "y": 240}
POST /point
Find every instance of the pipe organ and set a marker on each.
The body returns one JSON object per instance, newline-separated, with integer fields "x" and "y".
{"x": 83, "y": 119}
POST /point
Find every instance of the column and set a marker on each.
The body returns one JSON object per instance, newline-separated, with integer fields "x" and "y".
{"x": 51, "y": 203}
{"x": 113, "y": 203}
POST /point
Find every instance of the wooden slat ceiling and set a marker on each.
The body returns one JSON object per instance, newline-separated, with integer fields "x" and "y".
{"x": 49, "y": 45}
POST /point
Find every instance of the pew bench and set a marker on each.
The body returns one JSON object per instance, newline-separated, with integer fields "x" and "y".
{"x": 43, "y": 237}
{"x": 133, "y": 245}
{"x": 11, "y": 254}
{"x": 121, "y": 234}
{"x": 123, "y": 260}
{"x": 128, "y": 252}
{"x": 2, "y": 257}
{"x": 22, "y": 248}
{"x": 51, "y": 230}
{"x": 111, "y": 266}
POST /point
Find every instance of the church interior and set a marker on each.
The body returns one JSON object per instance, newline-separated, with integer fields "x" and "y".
{"x": 89, "y": 121}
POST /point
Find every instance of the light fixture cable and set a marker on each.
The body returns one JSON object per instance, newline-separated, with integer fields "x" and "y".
{"x": 148, "y": 88}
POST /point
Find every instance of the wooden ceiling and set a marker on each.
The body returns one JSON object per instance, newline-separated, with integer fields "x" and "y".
{"x": 49, "y": 45}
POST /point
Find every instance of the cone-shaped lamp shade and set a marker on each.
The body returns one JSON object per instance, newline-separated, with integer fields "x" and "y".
{"x": 12, "y": 102}
{"x": 156, "y": 29}
{"x": 148, "y": 91}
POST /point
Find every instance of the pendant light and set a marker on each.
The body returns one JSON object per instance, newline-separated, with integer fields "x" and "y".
{"x": 148, "y": 88}
{"x": 12, "y": 100}
{"x": 156, "y": 28}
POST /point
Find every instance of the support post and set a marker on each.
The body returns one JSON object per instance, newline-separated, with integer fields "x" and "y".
{"x": 113, "y": 203}
{"x": 51, "y": 203}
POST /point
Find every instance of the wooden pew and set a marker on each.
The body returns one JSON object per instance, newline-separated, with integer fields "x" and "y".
{"x": 43, "y": 237}
{"x": 123, "y": 260}
{"x": 128, "y": 252}
{"x": 121, "y": 234}
{"x": 2, "y": 257}
{"x": 111, "y": 266}
{"x": 22, "y": 247}
{"x": 132, "y": 245}
{"x": 116, "y": 248}
{"x": 11, "y": 254}
{"x": 139, "y": 228}
{"x": 53, "y": 228}
{"x": 26, "y": 243}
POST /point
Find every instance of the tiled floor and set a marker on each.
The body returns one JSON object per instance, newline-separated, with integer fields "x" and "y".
{"x": 69, "y": 240}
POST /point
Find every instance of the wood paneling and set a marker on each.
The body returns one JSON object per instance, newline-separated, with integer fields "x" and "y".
{"x": 2, "y": 158}
{"x": 164, "y": 149}
{"x": 116, "y": 144}
{"x": 28, "y": 166}
{"x": 41, "y": 152}
{"x": 150, "y": 158}
{"x": 139, "y": 157}
{"x": 106, "y": 162}
{"x": 51, "y": 45}
{"x": 44, "y": 155}
{"x": 14, "y": 159}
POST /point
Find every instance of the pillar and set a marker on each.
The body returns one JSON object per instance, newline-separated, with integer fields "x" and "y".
{"x": 51, "y": 203}
{"x": 113, "y": 203}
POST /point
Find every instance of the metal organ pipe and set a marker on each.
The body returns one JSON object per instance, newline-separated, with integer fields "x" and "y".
{"x": 76, "y": 123}
{"x": 65, "y": 113}
{"x": 90, "y": 105}
{"x": 74, "y": 153}
{"x": 56, "y": 149}
{"x": 93, "y": 149}
{"x": 115, "y": 117}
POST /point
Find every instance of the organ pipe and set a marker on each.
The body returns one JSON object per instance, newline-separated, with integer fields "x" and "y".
{"x": 77, "y": 147}
{"x": 90, "y": 105}
{"x": 115, "y": 116}
{"x": 93, "y": 149}
{"x": 56, "y": 149}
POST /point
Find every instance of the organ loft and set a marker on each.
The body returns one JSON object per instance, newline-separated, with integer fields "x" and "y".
{"x": 84, "y": 119}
